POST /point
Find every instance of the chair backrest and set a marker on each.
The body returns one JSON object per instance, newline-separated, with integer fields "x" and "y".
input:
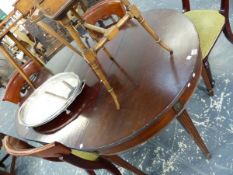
{"x": 13, "y": 92}
{"x": 56, "y": 152}
{"x": 105, "y": 10}
{"x": 17, "y": 147}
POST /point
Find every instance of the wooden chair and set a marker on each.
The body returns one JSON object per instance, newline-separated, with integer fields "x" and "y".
{"x": 17, "y": 88}
{"x": 59, "y": 13}
{"x": 209, "y": 25}
{"x": 58, "y": 152}
{"x": 4, "y": 158}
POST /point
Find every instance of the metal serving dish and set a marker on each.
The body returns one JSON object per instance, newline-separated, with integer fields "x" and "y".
{"x": 50, "y": 99}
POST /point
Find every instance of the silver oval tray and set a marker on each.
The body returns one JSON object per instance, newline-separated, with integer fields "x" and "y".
{"x": 50, "y": 99}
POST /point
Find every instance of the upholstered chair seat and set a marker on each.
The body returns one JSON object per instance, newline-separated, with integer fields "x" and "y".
{"x": 209, "y": 24}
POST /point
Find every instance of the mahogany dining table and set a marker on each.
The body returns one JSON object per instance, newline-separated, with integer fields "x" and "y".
{"x": 153, "y": 89}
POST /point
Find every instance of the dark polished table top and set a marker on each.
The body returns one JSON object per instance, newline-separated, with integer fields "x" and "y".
{"x": 146, "y": 79}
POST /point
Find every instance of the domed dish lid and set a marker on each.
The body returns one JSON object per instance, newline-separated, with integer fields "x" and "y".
{"x": 50, "y": 99}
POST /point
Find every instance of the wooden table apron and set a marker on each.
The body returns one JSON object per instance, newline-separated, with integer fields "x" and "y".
{"x": 147, "y": 81}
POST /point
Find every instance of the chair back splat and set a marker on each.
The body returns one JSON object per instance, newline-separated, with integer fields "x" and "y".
{"x": 17, "y": 89}
{"x": 105, "y": 10}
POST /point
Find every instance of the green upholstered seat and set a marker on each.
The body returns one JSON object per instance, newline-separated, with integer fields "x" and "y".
{"x": 209, "y": 24}
{"x": 85, "y": 155}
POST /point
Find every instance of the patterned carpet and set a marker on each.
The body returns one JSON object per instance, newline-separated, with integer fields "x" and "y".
{"x": 173, "y": 152}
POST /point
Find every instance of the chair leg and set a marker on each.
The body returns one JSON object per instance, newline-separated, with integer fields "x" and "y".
{"x": 120, "y": 162}
{"x": 2, "y": 165}
{"x": 100, "y": 163}
{"x": 188, "y": 125}
{"x": 3, "y": 159}
{"x": 90, "y": 57}
{"x": 207, "y": 77}
{"x": 228, "y": 32}
{"x": 90, "y": 172}
{"x": 135, "y": 13}
{"x": 224, "y": 10}
{"x": 109, "y": 166}
{"x": 12, "y": 168}
{"x": 95, "y": 38}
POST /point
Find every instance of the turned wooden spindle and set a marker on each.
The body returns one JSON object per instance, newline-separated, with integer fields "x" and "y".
{"x": 90, "y": 56}
{"x": 15, "y": 64}
{"x": 21, "y": 47}
{"x": 134, "y": 12}
{"x": 90, "y": 28}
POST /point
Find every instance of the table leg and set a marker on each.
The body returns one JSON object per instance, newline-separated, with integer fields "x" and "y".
{"x": 90, "y": 57}
{"x": 22, "y": 48}
{"x": 50, "y": 31}
{"x": 3, "y": 160}
{"x": 122, "y": 163}
{"x": 187, "y": 123}
{"x": 15, "y": 64}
